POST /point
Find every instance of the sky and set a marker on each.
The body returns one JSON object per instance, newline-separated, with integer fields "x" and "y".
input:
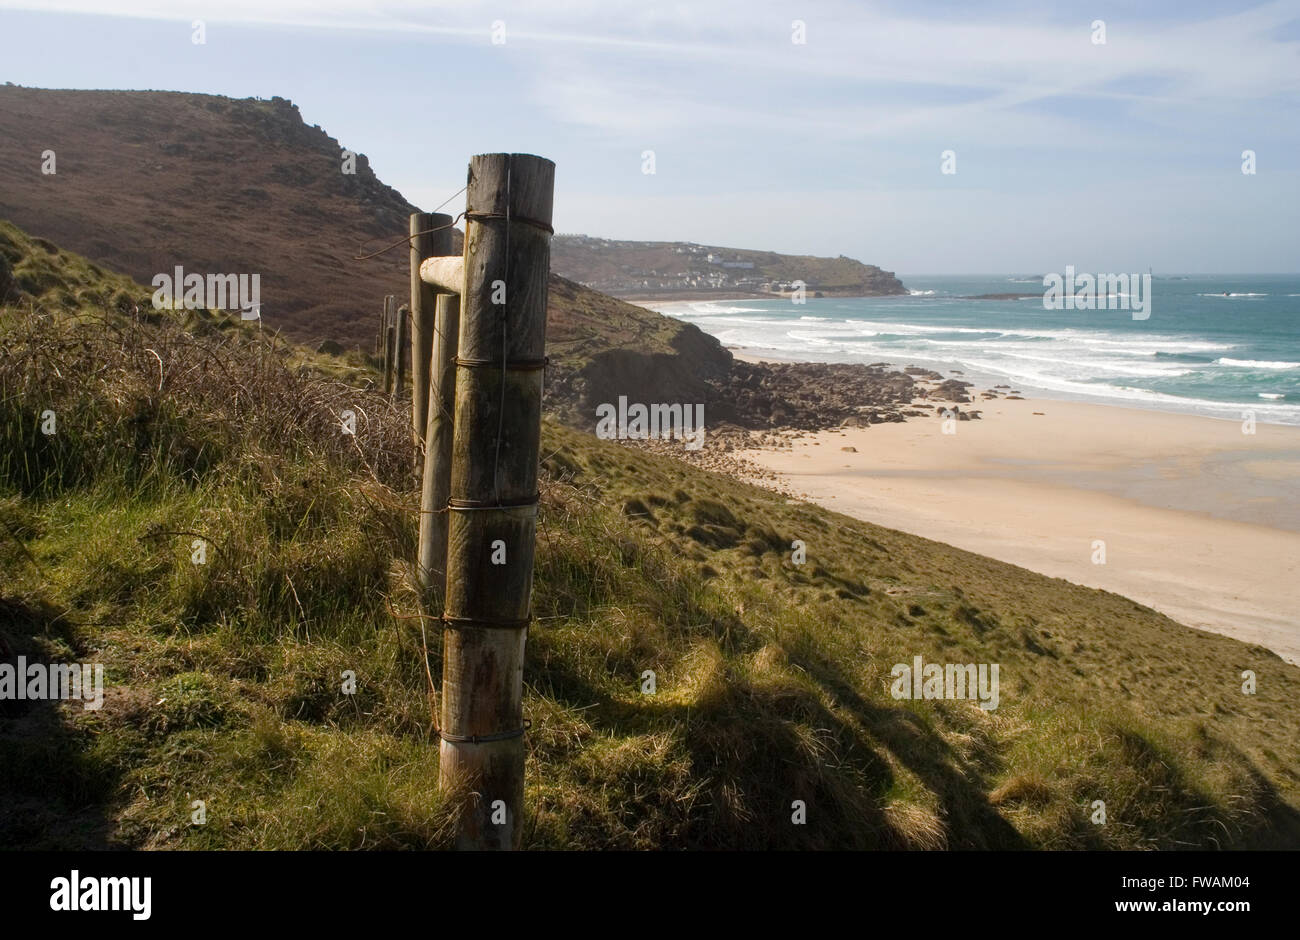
{"x": 1111, "y": 156}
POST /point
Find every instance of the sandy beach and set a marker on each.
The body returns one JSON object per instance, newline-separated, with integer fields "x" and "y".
{"x": 1199, "y": 520}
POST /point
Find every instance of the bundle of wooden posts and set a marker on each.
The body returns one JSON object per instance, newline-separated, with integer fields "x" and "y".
{"x": 477, "y": 336}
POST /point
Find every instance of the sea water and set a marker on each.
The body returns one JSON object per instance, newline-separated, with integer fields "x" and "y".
{"x": 1212, "y": 345}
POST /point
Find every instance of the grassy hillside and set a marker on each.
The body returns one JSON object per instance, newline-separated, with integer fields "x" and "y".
{"x": 599, "y": 347}
{"x": 224, "y": 679}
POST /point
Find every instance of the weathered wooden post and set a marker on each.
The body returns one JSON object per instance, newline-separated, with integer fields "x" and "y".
{"x": 388, "y": 344}
{"x": 399, "y": 351}
{"x": 436, "y": 485}
{"x": 493, "y": 504}
{"x": 430, "y": 235}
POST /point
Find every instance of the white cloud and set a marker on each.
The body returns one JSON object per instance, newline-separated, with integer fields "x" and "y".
{"x": 612, "y": 79}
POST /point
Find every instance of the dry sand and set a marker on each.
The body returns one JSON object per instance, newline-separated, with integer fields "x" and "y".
{"x": 1199, "y": 520}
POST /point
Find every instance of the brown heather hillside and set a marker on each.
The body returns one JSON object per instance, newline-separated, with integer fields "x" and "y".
{"x": 147, "y": 180}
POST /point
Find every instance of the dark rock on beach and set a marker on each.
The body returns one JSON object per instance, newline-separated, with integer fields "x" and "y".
{"x": 952, "y": 390}
{"x": 811, "y": 395}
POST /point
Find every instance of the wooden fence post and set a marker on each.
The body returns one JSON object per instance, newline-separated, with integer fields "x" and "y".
{"x": 493, "y": 505}
{"x": 424, "y": 244}
{"x": 399, "y": 351}
{"x": 387, "y": 330}
{"x": 436, "y": 485}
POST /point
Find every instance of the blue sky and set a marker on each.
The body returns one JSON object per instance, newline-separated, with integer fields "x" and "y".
{"x": 1110, "y": 157}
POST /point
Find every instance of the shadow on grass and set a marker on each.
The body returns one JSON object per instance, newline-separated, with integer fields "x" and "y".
{"x": 757, "y": 746}
{"x": 961, "y": 786}
{"x": 1201, "y": 823}
{"x": 54, "y": 794}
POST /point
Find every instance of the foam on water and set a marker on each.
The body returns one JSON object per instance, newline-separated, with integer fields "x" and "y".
{"x": 1191, "y": 354}
{"x": 1256, "y": 364}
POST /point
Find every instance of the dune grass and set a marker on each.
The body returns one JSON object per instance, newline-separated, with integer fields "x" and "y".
{"x": 225, "y": 680}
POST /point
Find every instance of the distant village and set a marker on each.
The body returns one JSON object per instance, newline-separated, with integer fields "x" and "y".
{"x": 695, "y": 267}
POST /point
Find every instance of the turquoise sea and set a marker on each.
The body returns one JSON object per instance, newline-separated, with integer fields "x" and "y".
{"x": 1213, "y": 345}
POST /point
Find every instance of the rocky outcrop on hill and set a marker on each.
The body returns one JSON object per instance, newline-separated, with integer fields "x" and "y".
{"x": 148, "y": 180}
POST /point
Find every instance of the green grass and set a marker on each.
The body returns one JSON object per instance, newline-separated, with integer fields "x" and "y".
{"x": 225, "y": 679}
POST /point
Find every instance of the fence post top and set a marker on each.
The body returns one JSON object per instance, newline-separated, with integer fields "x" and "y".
{"x": 510, "y": 156}
{"x": 523, "y": 180}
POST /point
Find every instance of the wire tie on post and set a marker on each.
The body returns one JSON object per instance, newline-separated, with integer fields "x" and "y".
{"x": 484, "y": 738}
{"x": 470, "y": 505}
{"x": 484, "y": 622}
{"x": 516, "y": 365}
{"x": 494, "y": 216}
